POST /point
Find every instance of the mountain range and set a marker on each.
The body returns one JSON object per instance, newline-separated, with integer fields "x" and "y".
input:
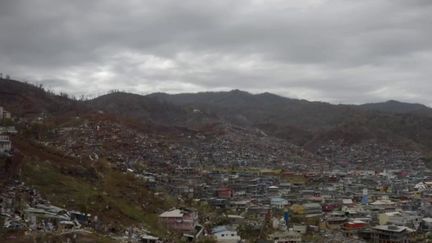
{"x": 301, "y": 122}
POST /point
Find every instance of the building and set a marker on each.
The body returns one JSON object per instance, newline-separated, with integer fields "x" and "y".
{"x": 225, "y": 192}
{"x": 312, "y": 208}
{"x": 49, "y": 217}
{"x": 290, "y": 236}
{"x": 279, "y": 203}
{"x": 149, "y": 239}
{"x": 225, "y": 234}
{"x": 404, "y": 218}
{"x": 301, "y": 229}
{"x": 352, "y": 227}
{"x": 181, "y": 220}
{"x": 5, "y": 144}
{"x": 8, "y": 130}
{"x": 4, "y": 114}
{"x": 391, "y": 234}
{"x": 426, "y": 224}
{"x": 7, "y": 115}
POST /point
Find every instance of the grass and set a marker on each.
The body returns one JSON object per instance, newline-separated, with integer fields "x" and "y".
{"x": 20, "y": 237}
{"x": 115, "y": 197}
{"x": 294, "y": 179}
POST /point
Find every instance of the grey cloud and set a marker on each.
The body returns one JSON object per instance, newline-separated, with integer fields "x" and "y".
{"x": 336, "y": 50}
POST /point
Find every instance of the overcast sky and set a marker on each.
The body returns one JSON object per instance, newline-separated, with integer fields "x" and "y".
{"x": 341, "y": 51}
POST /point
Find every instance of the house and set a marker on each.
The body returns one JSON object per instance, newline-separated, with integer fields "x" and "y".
{"x": 225, "y": 192}
{"x": 352, "y": 227}
{"x": 4, "y": 114}
{"x": 391, "y": 234}
{"x": 226, "y": 234}
{"x": 8, "y": 130}
{"x": 149, "y": 239}
{"x": 182, "y": 220}
{"x": 347, "y": 202}
{"x": 218, "y": 202}
{"x": 5, "y": 144}
{"x": 82, "y": 218}
{"x": 235, "y": 219}
{"x": 240, "y": 205}
{"x": 301, "y": 229}
{"x": 312, "y": 208}
{"x": 279, "y": 203}
{"x": 426, "y": 224}
{"x": 49, "y": 217}
{"x": 7, "y": 115}
{"x": 273, "y": 190}
{"x": 404, "y": 218}
{"x": 335, "y": 219}
{"x": 290, "y": 236}
{"x": 383, "y": 205}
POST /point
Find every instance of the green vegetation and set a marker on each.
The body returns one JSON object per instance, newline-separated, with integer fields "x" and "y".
{"x": 7, "y": 122}
{"x": 85, "y": 237}
{"x": 115, "y": 197}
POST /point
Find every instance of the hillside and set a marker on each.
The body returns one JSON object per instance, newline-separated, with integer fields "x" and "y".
{"x": 298, "y": 121}
{"x": 127, "y": 158}
{"x": 147, "y": 109}
{"x": 243, "y": 108}
{"x": 30, "y": 100}
{"x": 397, "y": 107}
{"x": 304, "y": 122}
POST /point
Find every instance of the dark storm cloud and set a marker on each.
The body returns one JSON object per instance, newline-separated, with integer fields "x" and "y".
{"x": 335, "y": 50}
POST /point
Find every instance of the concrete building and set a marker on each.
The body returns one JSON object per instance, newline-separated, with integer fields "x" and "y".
{"x": 181, "y": 220}
{"x": 312, "y": 208}
{"x": 391, "y": 234}
{"x": 225, "y": 234}
{"x": 404, "y": 218}
{"x": 5, "y": 144}
{"x": 289, "y": 236}
{"x": 279, "y": 203}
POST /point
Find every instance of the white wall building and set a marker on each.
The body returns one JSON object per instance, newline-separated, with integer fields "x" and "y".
{"x": 5, "y": 144}
{"x": 277, "y": 202}
{"x": 225, "y": 234}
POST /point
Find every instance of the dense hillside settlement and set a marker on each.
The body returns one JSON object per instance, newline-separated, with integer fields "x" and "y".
{"x": 168, "y": 171}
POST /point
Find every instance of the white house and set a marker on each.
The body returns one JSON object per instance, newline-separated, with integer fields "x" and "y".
{"x": 278, "y": 202}
{"x": 403, "y": 218}
{"x": 225, "y": 234}
{"x": 5, "y": 144}
{"x": 8, "y": 130}
{"x": 4, "y": 114}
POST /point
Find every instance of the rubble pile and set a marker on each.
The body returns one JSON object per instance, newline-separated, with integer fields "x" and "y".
{"x": 23, "y": 208}
{"x": 125, "y": 146}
